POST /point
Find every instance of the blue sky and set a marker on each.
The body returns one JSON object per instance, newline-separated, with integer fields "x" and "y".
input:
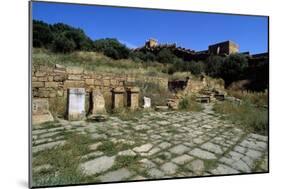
{"x": 133, "y": 26}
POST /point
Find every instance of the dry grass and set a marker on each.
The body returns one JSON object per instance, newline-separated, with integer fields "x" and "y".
{"x": 96, "y": 62}
{"x": 249, "y": 117}
{"x": 256, "y": 98}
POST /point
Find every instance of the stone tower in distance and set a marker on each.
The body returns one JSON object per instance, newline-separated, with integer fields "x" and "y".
{"x": 222, "y": 48}
{"x": 151, "y": 43}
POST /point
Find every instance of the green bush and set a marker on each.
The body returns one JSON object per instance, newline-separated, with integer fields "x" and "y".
{"x": 189, "y": 103}
{"x": 62, "y": 44}
{"x": 111, "y": 47}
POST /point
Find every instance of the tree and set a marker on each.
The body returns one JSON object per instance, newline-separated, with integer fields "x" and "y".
{"x": 213, "y": 66}
{"x": 112, "y": 48}
{"x": 42, "y": 34}
{"x": 63, "y": 45}
{"x": 165, "y": 56}
{"x": 233, "y": 68}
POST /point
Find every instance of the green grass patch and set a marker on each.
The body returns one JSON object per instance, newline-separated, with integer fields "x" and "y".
{"x": 188, "y": 103}
{"x": 130, "y": 162}
{"x": 110, "y": 148}
{"x": 250, "y": 117}
{"x": 64, "y": 161}
{"x": 210, "y": 164}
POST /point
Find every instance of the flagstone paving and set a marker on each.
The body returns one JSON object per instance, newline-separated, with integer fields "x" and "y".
{"x": 162, "y": 145}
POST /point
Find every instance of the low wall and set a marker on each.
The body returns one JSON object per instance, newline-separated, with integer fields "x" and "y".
{"x": 51, "y": 82}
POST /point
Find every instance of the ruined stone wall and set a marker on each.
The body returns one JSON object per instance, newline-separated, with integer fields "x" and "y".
{"x": 52, "y": 82}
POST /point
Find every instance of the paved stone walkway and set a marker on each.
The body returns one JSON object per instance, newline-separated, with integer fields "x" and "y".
{"x": 167, "y": 144}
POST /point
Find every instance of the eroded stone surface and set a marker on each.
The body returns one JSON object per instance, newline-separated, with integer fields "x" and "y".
{"x": 160, "y": 145}
{"x": 98, "y": 165}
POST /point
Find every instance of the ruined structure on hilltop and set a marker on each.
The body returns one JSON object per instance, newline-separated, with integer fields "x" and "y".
{"x": 224, "y": 48}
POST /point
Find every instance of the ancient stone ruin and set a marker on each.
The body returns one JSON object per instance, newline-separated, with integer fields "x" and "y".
{"x": 76, "y": 104}
{"x": 118, "y": 97}
{"x": 40, "y": 111}
{"x": 146, "y": 102}
{"x": 98, "y": 111}
{"x": 133, "y": 97}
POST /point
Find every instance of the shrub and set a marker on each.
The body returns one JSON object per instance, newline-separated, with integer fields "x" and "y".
{"x": 62, "y": 44}
{"x": 111, "y": 47}
{"x": 213, "y": 66}
{"x": 165, "y": 56}
{"x": 233, "y": 68}
{"x": 189, "y": 104}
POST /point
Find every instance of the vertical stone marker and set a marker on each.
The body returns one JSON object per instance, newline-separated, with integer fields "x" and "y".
{"x": 98, "y": 103}
{"x": 146, "y": 102}
{"x": 76, "y": 104}
{"x": 133, "y": 97}
{"x": 40, "y": 111}
{"x": 118, "y": 97}
{"x": 98, "y": 112}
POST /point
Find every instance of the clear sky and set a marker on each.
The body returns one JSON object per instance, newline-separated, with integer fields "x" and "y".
{"x": 133, "y": 26}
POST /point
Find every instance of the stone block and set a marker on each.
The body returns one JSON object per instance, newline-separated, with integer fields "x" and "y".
{"x": 89, "y": 81}
{"x": 106, "y": 82}
{"x": 118, "y": 97}
{"x": 40, "y": 111}
{"x": 40, "y": 74}
{"x": 133, "y": 97}
{"x": 76, "y": 104}
{"x": 59, "y": 78}
{"x": 51, "y": 84}
{"x": 37, "y": 84}
{"x": 74, "y": 70}
{"x": 44, "y": 78}
{"x": 98, "y": 103}
{"x": 74, "y": 77}
{"x": 97, "y": 82}
{"x": 73, "y": 84}
{"x": 146, "y": 102}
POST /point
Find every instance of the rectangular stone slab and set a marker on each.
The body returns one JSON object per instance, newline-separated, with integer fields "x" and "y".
{"x": 76, "y": 104}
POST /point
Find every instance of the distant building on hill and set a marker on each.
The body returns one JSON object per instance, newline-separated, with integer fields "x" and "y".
{"x": 151, "y": 43}
{"x": 226, "y": 47}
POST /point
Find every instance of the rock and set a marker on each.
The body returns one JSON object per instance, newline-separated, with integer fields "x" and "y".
{"x": 133, "y": 97}
{"x": 223, "y": 169}
{"x": 164, "y": 145}
{"x": 155, "y": 173}
{"x": 161, "y": 108}
{"x": 46, "y": 146}
{"x": 182, "y": 159}
{"x": 127, "y": 153}
{"x": 146, "y": 102}
{"x": 41, "y": 168}
{"x": 197, "y": 166}
{"x": 212, "y": 148}
{"x": 147, "y": 164}
{"x": 76, "y": 104}
{"x": 117, "y": 175}
{"x": 179, "y": 149}
{"x": 143, "y": 148}
{"x": 97, "y": 165}
{"x": 95, "y": 146}
{"x": 40, "y": 111}
{"x": 169, "y": 168}
{"x": 202, "y": 154}
{"x": 98, "y": 103}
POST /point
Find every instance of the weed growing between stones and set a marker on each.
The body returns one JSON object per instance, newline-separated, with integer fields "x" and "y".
{"x": 110, "y": 148}
{"x": 130, "y": 162}
{"x": 64, "y": 161}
